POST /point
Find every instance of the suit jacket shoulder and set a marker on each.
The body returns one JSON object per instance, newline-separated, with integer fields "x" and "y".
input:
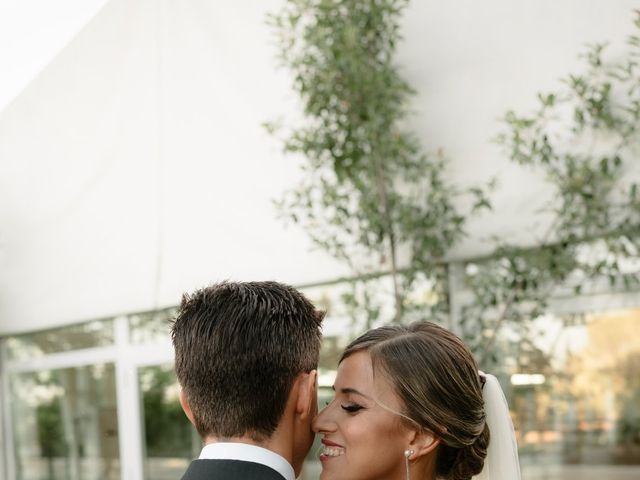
{"x": 229, "y": 470}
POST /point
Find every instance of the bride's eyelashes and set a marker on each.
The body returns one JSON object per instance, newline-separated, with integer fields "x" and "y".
{"x": 352, "y": 407}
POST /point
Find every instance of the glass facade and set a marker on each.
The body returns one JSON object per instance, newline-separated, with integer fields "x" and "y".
{"x": 573, "y": 386}
{"x": 65, "y": 424}
{"x": 151, "y": 327}
{"x": 577, "y": 404}
{"x": 98, "y": 333}
{"x": 169, "y": 439}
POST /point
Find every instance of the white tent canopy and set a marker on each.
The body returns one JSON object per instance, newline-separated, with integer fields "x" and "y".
{"x": 134, "y": 166}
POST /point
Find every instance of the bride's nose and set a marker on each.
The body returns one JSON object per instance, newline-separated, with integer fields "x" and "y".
{"x": 322, "y": 421}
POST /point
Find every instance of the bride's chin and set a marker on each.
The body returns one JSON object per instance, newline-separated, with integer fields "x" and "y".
{"x": 325, "y": 475}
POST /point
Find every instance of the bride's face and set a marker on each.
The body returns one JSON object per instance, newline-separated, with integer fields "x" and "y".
{"x": 362, "y": 440}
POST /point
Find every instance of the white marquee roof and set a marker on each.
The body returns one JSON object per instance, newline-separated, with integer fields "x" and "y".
{"x": 134, "y": 165}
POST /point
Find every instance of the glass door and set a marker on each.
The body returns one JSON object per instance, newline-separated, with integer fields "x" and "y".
{"x": 65, "y": 424}
{"x": 170, "y": 441}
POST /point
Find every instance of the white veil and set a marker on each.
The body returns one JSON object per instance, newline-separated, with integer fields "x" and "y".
{"x": 501, "y": 462}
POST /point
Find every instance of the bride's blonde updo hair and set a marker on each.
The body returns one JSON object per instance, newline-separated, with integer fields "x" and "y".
{"x": 436, "y": 378}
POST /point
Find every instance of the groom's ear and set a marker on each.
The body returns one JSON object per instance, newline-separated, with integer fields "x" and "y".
{"x": 185, "y": 406}
{"x": 306, "y": 404}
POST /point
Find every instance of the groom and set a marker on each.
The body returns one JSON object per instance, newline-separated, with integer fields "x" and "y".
{"x": 246, "y": 358}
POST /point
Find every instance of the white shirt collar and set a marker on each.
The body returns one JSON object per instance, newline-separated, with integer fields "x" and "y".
{"x": 248, "y": 453}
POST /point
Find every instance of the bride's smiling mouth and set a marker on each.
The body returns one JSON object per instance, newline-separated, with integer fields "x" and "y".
{"x": 330, "y": 450}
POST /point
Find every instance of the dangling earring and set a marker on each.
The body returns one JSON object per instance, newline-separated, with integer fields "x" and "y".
{"x": 407, "y": 454}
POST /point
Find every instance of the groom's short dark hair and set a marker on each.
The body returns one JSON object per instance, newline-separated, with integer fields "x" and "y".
{"x": 238, "y": 348}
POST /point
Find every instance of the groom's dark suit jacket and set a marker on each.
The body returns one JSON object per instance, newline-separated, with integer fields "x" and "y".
{"x": 229, "y": 470}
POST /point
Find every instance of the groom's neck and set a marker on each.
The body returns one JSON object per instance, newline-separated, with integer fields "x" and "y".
{"x": 274, "y": 443}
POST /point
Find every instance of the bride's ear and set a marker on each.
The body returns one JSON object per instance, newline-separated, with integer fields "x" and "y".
{"x": 423, "y": 443}
{"x": 307, "y": 394}
{"x": 185, "y": 406}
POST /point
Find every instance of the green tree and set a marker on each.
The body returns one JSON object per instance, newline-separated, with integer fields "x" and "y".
{"x": 371, "y": 196}
{"x": 584, "y": 138}
{"x": 50, "y": 432}
{"x": 168, "y": 433}
{"x": 374, "y": 199}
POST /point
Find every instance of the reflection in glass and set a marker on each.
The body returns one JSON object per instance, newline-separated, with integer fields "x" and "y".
{"x": 171, "y": 442}
{"x": 98, "y": 333}
{"x": 581, "y": 408}
{"x": 65, "y": 424}
{"x": 151, "y": 327}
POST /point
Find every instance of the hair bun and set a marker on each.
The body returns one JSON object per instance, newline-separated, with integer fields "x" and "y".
{"x": 470, "y": 459}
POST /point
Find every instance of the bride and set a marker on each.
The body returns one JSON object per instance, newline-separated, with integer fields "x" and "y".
{"x": 410, "y": 404}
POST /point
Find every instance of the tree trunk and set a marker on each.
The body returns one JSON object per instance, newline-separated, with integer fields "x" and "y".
{"x": 384, "y": 200}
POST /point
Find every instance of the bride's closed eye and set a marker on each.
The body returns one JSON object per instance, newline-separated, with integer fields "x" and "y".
{"x": 351, "y": 407}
